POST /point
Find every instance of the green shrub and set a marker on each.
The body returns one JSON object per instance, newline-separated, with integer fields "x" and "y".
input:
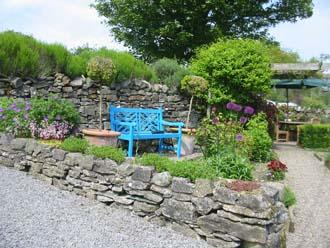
{"x": 169, "y": 72}
{"x": 74, "y": 144}
{"x": 229, "y": 164}
{"x": 315, "y": 136}
{"x": 186, "y": 168}
{"x": 76, "y": 66}
{"x": 102, "y": 69}
{"x": 116, "y": 154}
{"x": 260, "y": 143}
{"x": 289, "y": 198}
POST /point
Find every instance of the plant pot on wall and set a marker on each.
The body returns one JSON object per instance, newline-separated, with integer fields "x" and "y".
{"x": 188, "y": 140}
{"x": 101, "y": 137}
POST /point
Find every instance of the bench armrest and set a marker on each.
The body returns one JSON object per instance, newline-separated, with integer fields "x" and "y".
{"x": 170, "y": 123}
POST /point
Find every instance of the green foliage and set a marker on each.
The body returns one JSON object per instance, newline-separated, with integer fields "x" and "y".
{"x": 235, "y": 70}
{"x": 76, "y": 66}
{"x": 169, "y": 72}
{"x": 157, "y": 29}
{"x": 289, "y": 197}
{"x": 315, "y": 136}
{"x": 113, "y": 153}
{"x": 22, "y": 55}
{"x": 194, "y": 85}
{"x": 186, "y": 168}
{"x": 74, "y": 144}
{"x": 53, "y": 108}
{"x": 277, "y": 55}
{"x": 101, "y": 69}
{"x": 260, "y": 143}
{"x": 229, "y": 164}
{"x": 127, "y": 66}
{"x": 312, "y": 103}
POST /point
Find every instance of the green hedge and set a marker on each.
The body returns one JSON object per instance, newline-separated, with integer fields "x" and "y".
{"x": 315, "y": 136}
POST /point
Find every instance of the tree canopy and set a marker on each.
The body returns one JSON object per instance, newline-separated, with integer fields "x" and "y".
{"x": 174, "y": 28}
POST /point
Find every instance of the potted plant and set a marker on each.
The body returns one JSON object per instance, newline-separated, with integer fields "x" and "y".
{"x": 194, "y": 86}
{"x": 103, "y": 70}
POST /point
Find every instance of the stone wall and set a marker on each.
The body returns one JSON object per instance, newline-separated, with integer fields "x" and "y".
{"x": 205, "y": 209}
{"x": 84, "y": 93}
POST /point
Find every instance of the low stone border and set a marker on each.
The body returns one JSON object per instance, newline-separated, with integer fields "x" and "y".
{"x": 205, "y": 209}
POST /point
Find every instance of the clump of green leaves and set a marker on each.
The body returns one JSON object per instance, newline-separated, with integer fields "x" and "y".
{"x": 289, "y": 197}
{"x": 113, "y": 153}
{"x": 169, "y": 72}
{"x": 102, "y": 69}
{"x": 74, "y": 144}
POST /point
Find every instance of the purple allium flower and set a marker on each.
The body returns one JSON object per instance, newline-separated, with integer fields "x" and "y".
{"x": 27, "y": 103}
{"x": 243, "y": 119}
{"x": 26, "y": 116}
{"x": 249, "y": 110}
{"x": 234, "y": 106}
{"x": 215, "y": 120}
{"x": 239, "y": 137}
{"x": 58, "y": 118}
{"x": 27, "y": 108}
{"x": 1, "y": 109}
{"x": 17, "y": 110}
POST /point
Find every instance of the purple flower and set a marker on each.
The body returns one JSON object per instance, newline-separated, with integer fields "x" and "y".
{"x": 58, "y": 118}
{"x": 15, "y": 119}
{"x": 45, "y": 118}
{"x": 3, "y": 117}
{"x": 55, "y": 97}
{"x": 27, "y": 103}
{"x": 243, "y": 119}
{"x": 249, "y": 110}
{"x": 1, "y": 109}
{"x": 239, "y": 137}
{"x": 17, "y": 109}
{"x": 215, "y": 120}
{"x": 27, "y": 108}
{"x": 26, "y": 116}
{"x": 234, "y": 106}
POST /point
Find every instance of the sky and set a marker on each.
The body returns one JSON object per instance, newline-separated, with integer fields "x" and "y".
{"x": 74, "y": 23}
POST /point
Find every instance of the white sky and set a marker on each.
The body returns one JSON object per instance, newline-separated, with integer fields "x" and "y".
{"x": 74, "y": 23}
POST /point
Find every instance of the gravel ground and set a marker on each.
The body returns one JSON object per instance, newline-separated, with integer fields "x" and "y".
{"x": 310, "y": 180}
{"x": 36, "y": 215}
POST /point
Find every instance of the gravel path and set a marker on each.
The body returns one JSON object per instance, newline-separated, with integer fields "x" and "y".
{"x": 310, "y": 180}
{"x": 36, "y": 215}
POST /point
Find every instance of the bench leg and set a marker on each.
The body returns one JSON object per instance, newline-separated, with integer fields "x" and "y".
{"x": 130, "y": 148}
{"x": 160, "y": 146}
{"x": 178, "y": 147}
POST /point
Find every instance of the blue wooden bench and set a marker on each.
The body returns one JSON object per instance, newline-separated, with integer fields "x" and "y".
{"x": 144, "y": 124}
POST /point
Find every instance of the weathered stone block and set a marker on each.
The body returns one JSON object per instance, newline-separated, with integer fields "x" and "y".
{"x": 166, "y": 192}
{"x": 137, "y": 185}
{"x": 75, "y": 172}
{"x": 266, "y": 214}
{"x": 182, "y": 197}
{"x": 257, "y": 201}
{"x": 126, "y": 169}
{"x": 182, "y": 185}
{"x": 99, "y": 187}
{"x": 163, "y": 179}
{"x": 225, "y": 195}
{"x": 54, "y": 172}
{"x": 145, "y": 207}
{"x": 203, "y": 188}
{"x": 59, "y": 154}
{"x": 180, "y": 211}
{"x": 143, "y": 173}
{"x": 214, "y": 223}
{"x": 105, "y": 167}
{"x": 6, "y": 138}
{"x": 204, "y": 205}
{"x": 18, "y": 144}
{"x": 222, "y": 243}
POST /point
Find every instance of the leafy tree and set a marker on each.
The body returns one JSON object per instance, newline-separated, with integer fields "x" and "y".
{"x": 235, "y": 70}
{"x": 278, "y": 55}
{"x": 167, "y": 28}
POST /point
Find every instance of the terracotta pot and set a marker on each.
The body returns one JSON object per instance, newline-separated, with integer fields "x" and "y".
{"x": 101, "y": 137}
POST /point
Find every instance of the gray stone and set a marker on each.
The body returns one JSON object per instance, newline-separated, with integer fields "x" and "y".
{"x": 221, "y": 243}
{"x": 54, "y": 172}
{"x": 43, "y": 178}
{"x": 214, "y": 223}
{"x": 59, "y": 154}
{"x": 16, "y": 82}
{"x": 89, "y": 83}
{"x": 124, "y": 200}
{"x": 6, "y": 138}
{"x": 163, "y": 179}
{"x": 99, "y": 187}
{"x": 243, "y": 219}
{"x": 225, "y": 195}
{"x": 203, "y": 187}
{"x": 35, "y": 168}
{"x": 179, "y": 211}
{"x": 267, "y": 214}
{"x": 105, "y": 167}
{"x": 117, "y": 189}
{"x": 156, "y": 198}
{"x": 252, "y": 200}
{"x": 226, "y": 237}
{"x": 77, "y": 183}
{"x": 87, "y": 162}
{"x": 166, "y": 192}
{"x": 184, "y": 230}
{"x": 78, "y": 82}
{"x": 126, "y": 169}
{"x": 145, "y": 207}
{"x": 18, "y": 144}
{"x": 75, "y": 172}
{"x": 143, "y": 173}
{"x": 137, "y": 185}
{"x": 275, "y": 190}
{"x": 182, "y": 197}
{"x": 204, "y": 205}
{"x": 182, "y": 185}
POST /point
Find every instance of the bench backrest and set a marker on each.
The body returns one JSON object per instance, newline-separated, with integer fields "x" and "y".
{"x": 147, "y": 120}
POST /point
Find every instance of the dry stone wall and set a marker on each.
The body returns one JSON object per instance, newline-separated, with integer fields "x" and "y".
{"x": 84, "y": 93}
{"x": 205, "y": 209}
